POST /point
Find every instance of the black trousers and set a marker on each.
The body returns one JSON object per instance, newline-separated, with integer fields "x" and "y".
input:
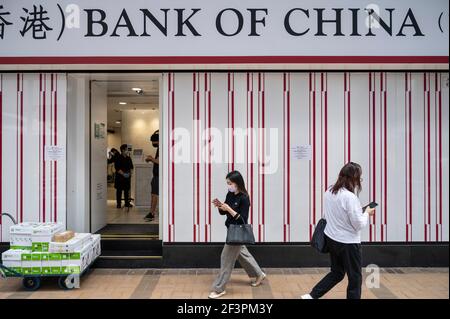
{"x": 345, "y": 259}
{"x": 126, "y": 192}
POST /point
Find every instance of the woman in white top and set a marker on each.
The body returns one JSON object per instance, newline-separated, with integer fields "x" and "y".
{"x": 345, "y": 219}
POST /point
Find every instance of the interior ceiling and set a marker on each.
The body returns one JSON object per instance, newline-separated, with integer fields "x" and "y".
{"x": 119, "y": 89}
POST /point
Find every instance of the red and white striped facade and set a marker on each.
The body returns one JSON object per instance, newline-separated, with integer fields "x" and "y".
{"x": 33, "y": 115}
{"x": 395, "y": 124}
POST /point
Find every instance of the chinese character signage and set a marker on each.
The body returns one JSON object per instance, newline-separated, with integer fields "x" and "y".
{"x": 196, "y": 28}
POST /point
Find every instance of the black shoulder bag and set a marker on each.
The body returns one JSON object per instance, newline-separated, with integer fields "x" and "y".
{"x": 318, "y": 240}
{"x": 240, "y": 234}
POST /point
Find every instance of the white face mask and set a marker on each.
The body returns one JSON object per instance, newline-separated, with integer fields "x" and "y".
{"x": 232, "y": 188}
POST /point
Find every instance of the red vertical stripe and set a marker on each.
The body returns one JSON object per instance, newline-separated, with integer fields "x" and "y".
{"x": 40, "y": 146}
{"x": 314, "y": 151}
{"x": 21, "y": 150}
{"x": 17, "y": 148}
{"x": 44, "y": 111}
{"x": 206, "y": 148}
{"x": 51, "y": 142}
{"x": 198, "y": 154}
{"x": 169, "y": 222}
{"x": 372, "y": 227}
{"x": 284, "y": 158}
{"x": 1, "y": 156}
{"x": 309, "y": 163}
{"x": 425, "y": 157}
{"x": 370, "y": 147}
{"x": 208, "y": 97}
{"x": 407, "y": 162}
{"x": 55, "y": 179}
{"x": 197, "y": 164}
{"x": 440, "y": 154}
{"x": 261, "y": 180}
{"x": 385, "y": 204}
{"x": 288, "y": 120}
{"x": 250, "y": 142}
{"x": 263, "y": 120}
{"x": 259, "y": 157}
{"x": 326, "y": 131}
{"x": 349, "y": 126}
{"x": 436, "y": 157}
{"x": 250, "y": 87}
{"x": 173, "y": 163}
{"x": 232, "y": 125}
{"x": 410, "y": 157}
{"x": 194, "y": 189}
{"x": 429, "y": 156}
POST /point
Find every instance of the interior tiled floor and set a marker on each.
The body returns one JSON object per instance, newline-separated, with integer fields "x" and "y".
{"x": 403, "y": 283}
{"x": 124, "y": 215}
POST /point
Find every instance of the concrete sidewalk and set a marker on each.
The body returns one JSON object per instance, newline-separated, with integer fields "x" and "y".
{"x": 195, "y": 283}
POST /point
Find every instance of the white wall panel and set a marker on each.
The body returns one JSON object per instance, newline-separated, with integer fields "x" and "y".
{"x": 363, "y": 117}
{"x": 33, "y": 108}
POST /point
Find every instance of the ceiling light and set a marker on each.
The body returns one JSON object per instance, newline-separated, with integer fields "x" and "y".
{"x": 136, "y": 89}
{"x": 122, "y": 103}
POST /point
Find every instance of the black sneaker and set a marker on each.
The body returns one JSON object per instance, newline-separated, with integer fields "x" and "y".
{"x": 119, "y": 206}
{"x": 128, "y": 205}
{"x": 149, "y": 216}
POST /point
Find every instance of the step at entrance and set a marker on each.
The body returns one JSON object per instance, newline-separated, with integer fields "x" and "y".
{"x": 130, "y": 246}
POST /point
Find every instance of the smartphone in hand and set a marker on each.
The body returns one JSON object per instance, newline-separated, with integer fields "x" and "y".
{"x": 217, "y": 202}
{"x": 370, "y": 205}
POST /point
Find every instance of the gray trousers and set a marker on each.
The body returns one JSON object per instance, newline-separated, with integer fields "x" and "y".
{"x": 230, "y": 254}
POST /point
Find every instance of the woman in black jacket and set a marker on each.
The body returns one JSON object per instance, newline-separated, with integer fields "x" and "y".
{"x": 124, "y": 166}
{"x": 236, "y": 207}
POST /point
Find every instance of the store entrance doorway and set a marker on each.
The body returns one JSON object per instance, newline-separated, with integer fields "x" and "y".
{"x": 124, "y": 115}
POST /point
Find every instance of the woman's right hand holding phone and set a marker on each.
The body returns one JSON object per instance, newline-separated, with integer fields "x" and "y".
{"x": 216, "y": 203}
{"x": 370, "y": 211}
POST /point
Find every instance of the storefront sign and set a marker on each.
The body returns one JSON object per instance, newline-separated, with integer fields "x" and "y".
{"x": 176, "y": 29}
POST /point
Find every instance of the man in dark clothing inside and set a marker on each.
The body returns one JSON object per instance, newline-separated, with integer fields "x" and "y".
{"x": 123, "y": 165}
{"x": 155, "y": 180}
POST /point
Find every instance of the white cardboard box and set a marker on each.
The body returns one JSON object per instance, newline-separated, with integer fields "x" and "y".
{"x": 96, "y": 246}
{"x": 13, "y": 259}
{"x": 31, "y": 263}
{"x": 20, "y": 235}
{"x": 77, "y": 243}
{"x": 77, "y": 261}
{"x": 42, "y": 235}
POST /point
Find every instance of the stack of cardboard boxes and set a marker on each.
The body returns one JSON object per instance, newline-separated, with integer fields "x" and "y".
{"x": 34, "y": 250}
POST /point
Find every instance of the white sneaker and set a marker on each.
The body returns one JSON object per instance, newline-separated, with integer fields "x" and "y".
{"x": 307, "y": 296}
{"x": 259, "y": 280}
{"x": 215, "y": 295}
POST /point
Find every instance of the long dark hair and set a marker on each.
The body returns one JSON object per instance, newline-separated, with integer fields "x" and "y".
{"x": 349, "y": 178}
{"x": 236, "y": 177}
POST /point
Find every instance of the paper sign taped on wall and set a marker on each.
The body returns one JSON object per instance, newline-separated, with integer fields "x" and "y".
{"x": 54, "y": 153}
{"x": 301, "y": 152}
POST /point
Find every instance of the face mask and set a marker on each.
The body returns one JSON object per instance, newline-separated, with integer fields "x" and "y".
{"x": 232, "y": 188}
{"x": 155, "y": 145}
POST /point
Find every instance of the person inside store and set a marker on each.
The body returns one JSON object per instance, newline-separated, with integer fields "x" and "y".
{"x": 112, "y": 155}
{"x": 345, "y": 218}
{"x": 122, "y": 182}
{"x": 154, "y": 139}
{"x": 235, "y": 208}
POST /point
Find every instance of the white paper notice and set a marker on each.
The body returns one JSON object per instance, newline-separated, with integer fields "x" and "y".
{"x": 54, "y": 153}
{"x": 301, "y": 152}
